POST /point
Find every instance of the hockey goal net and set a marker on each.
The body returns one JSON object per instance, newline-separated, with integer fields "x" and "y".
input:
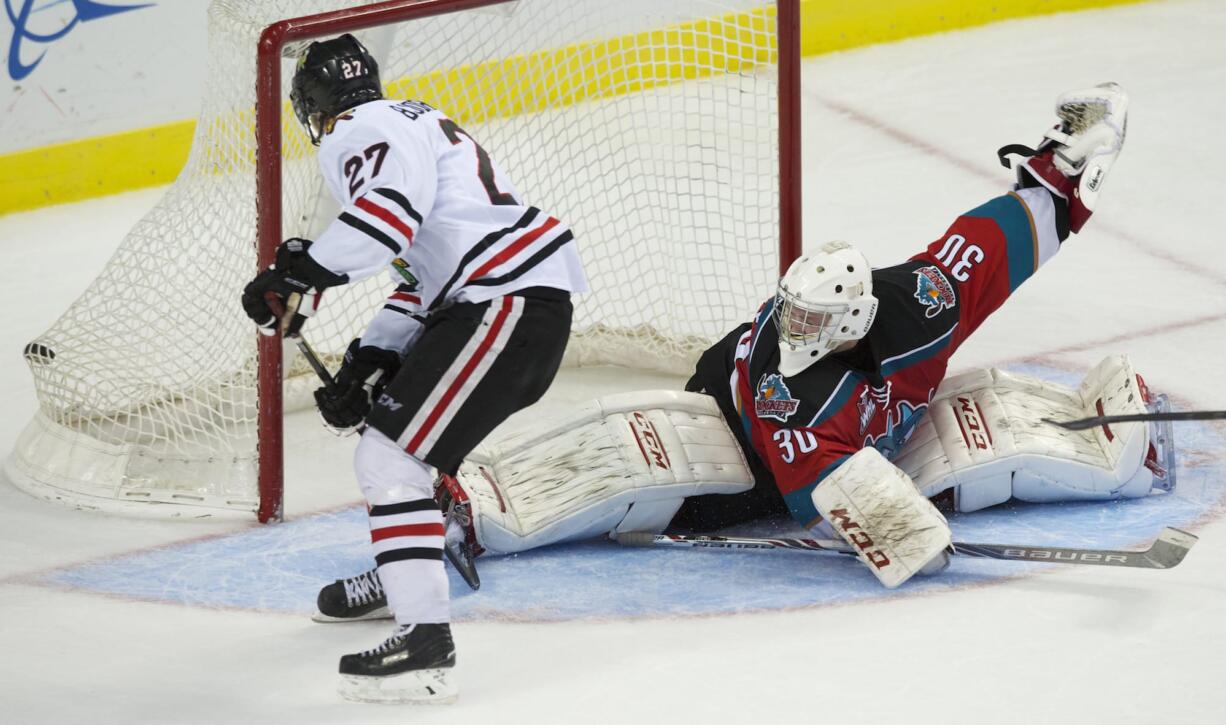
{"x": 664, "y": 133}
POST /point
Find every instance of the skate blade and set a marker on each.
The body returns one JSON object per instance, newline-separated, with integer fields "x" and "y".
{"x": 380, "y": 613}
{"x": 420, "y": 687}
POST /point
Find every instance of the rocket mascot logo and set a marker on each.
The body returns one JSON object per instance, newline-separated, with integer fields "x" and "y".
{"x": 934, "y": 291}
{"x": 774, "y": 400}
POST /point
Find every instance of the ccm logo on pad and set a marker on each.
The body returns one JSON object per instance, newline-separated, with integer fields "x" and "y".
{"x": 972, "y": 424}
{"x": 649, "y": 441}
{"x": 859, "y": 539}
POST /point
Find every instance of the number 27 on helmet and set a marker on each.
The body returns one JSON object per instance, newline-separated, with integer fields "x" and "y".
{"x": 333, "y": 76}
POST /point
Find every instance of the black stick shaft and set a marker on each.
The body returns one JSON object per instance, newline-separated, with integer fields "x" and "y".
{"x": 278, "y": 309}
{"x": 313, "y": 360}
{"x": 1083, "y": 423}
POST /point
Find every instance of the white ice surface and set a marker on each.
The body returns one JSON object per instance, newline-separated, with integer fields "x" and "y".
{"x": 898, "y": 140}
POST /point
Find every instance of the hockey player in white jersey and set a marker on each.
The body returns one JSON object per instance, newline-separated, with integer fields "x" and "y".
{"x": 474, "y": 331}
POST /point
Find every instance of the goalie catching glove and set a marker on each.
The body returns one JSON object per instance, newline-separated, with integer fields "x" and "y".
{"x": 1074, "y": 157}
{"x": 295, "y": 281}
{"x": 362, "y": 377}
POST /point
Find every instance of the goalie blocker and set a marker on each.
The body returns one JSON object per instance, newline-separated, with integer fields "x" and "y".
{"x": 627, "y": 462}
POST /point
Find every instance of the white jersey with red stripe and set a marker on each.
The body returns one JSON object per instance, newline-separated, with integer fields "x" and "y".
{"x": 422, "y": 199}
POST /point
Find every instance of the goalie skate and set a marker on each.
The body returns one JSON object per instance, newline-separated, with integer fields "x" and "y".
{"x": 353, "y": 599}
{"x": 414, "y": 665}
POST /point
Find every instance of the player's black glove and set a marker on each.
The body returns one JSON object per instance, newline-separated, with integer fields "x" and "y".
{"x": 295, "y": 281}
{"x": 363, "y": 374}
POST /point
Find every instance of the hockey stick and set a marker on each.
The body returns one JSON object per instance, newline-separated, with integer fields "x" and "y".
{"x": 313, "y": 360}
{"x": 308, "y": 353}
{"x": 1171, "y": 546}
{"x": 1083, "y": 423}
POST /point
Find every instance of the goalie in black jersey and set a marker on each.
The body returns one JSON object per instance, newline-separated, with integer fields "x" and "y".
{"x": 473, "y": 331}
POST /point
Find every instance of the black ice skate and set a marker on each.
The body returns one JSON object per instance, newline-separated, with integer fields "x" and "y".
{"x": 413, "y": 665}
{"x": 353, "y": 599}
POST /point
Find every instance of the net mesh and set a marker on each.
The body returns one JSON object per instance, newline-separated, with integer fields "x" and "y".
{"x": 648, "y": 127}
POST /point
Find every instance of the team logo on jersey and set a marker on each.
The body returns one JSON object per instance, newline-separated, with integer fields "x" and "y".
{"x": 868, "y": 409}
{"x": 870, "y": 399}
{"x": 898, "y": 428}
{"x": 402, "y": 267}
{"x": 934, "y": 291}
{"x": 774, "y": 400}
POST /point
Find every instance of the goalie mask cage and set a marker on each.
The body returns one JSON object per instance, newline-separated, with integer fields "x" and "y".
{"x": 665, "y": 134}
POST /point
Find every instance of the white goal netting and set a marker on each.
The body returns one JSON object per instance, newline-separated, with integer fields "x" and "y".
{"x": 649, "y": 127}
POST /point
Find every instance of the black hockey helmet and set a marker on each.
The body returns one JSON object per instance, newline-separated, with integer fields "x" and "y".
{"x": 333, "y": 76}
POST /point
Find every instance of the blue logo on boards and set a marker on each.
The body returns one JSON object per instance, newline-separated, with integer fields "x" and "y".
{"x": 85, "y": 11}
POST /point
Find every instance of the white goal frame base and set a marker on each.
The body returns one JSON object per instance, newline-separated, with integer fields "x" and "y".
{"x": 53, "y": 463}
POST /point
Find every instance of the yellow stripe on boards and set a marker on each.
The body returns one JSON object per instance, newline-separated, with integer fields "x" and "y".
{"x": 556, "y": 78}
{"x": 733, "y": 43}
{"x": 94, "y": 166}
{"x": 831, "y": 25}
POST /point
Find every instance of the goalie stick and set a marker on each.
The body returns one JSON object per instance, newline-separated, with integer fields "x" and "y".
{"x": 1083, "y": 423}
{"x": 1171, "y": 546}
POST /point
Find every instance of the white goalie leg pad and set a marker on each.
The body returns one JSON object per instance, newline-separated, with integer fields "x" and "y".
{"x": 619, "y": 463}
{"x": 875, "y": 507}
{"x": 985, "y": 438}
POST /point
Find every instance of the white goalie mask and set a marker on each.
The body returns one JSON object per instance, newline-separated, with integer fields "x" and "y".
{"x": 824, "y": 300}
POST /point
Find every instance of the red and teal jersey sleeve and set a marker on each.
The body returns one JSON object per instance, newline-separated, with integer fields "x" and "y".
{"x": 991, "y": 250}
